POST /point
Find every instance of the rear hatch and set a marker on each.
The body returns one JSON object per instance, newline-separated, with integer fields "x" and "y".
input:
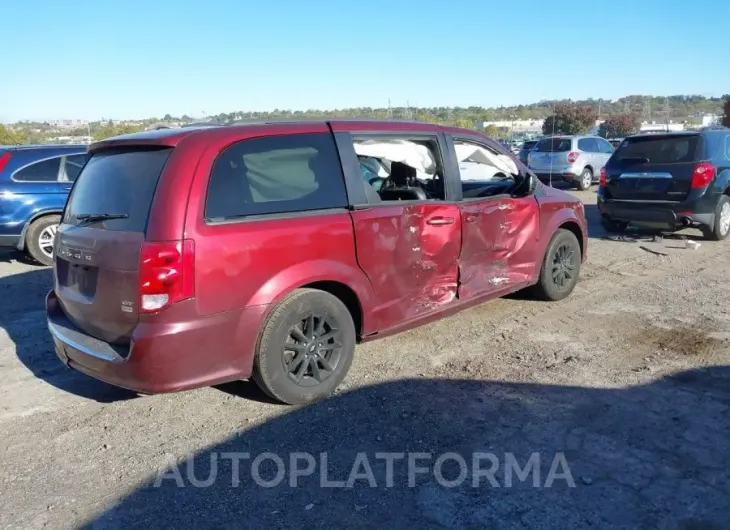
{"x": 100, "y": 239}
{"x": 657, "y": 167}
{"x": 551, "y": 153}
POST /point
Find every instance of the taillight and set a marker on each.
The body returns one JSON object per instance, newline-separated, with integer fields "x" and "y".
{"x": 703, "y": 175}
{"x": 573, "y": 156}
{"x": 166, "y": 274}
{"x": 4, "y": 159}
{"x": 602, "y": 178}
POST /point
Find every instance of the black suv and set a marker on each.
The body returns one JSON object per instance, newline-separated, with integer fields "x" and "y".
{"x": 669, "y": 181}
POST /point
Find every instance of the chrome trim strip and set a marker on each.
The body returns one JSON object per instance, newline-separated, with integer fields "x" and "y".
{"x": 83, "y": 349}
{"x": 642, "y": 175}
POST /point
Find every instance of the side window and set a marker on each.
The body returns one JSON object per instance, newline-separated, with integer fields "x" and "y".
{"x": 276, "y": 174}
{"x": 587, "y": 145}
{"x": 727, "y": 147}
{"x": 484, "y": 172}
{"x": 43, "y": 171}
{"x": 401, "y": 168}
{"x": 72, "y": 167}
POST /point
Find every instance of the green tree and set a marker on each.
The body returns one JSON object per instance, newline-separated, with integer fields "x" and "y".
{"x": 10, "y": 137}
{"x": 619, "y": 126}
{"x": 491, "y": 130}
{"x": 726, "y": 113}
{"x": 569, "y": 119}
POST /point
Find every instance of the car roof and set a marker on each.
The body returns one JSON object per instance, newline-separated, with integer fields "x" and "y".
{"x": 172, "y": 136}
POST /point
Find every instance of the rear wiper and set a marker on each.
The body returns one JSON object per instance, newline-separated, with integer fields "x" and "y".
{"x": 94, "y": 217}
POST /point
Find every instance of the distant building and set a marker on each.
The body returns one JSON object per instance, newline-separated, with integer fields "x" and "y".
{"x": 68, "y": 124}
{"x": 516, "y": 126}
{"x": 661, "y": 127}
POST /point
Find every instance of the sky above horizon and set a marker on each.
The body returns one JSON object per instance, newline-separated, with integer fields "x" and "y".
{"x": 138, "y": 59}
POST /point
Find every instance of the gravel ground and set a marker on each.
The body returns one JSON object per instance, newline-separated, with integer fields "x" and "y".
{"x": 619, "y": 398}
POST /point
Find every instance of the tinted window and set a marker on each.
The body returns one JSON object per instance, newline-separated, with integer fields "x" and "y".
{"x": 659, "y": 149}
{"x": 276, "y": 174}
{"x": 72, "y": 166}
{"x": 117, "y": 183}
{"x": 527, "y": 146}
{"x": 43, "y": 171}
{"x": 554, "y": 145}
{"x": 588, "y": 145}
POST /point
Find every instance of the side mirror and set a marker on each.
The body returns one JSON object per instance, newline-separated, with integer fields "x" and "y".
{"x": 526, "y": 186}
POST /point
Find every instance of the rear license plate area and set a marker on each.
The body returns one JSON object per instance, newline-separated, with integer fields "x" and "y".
{"x": 76, "y": 276}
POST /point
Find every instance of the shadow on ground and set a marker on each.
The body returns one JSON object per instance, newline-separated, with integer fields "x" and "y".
{"x": 22, "y": 316}
{"x": 653, "y": 456}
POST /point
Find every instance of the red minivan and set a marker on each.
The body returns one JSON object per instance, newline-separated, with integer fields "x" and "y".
{"x": 191, "y": 257}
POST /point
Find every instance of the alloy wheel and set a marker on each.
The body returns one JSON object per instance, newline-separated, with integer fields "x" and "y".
{"x": 46, "y": 240}
{"x": 312, "y": 349}
{"x": 564, "y": 267}
{"x": 725, "y": 219}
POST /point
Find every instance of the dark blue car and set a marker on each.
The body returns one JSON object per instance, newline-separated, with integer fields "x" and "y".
{"x": 34, "y": 184}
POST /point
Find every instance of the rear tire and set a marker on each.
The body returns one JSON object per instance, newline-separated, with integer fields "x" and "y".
{"x": 721, "y": 228}
{"x": 305, "y": 348}
{"x": 585, "y": 181}
{"x": 614, "y": 227}
{"x": 40, "y": 237}
{"x": 560, "y": 267}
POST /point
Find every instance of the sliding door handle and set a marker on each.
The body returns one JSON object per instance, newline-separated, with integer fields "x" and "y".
{"x": 440, "y": 221}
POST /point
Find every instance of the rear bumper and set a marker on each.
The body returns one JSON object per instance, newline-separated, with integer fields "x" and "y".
{"x": 165, "y": 356}
{"x": 657, "y": 214}
{"x": 565, "y": 173}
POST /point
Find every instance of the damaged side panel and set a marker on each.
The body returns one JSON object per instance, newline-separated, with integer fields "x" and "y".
{"x": 409, "y": 253}
{"x": 478, "y": 273}
{"x": 516, "y": 252}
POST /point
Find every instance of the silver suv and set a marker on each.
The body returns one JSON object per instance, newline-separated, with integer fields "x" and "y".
{"x": 574, "y": 159}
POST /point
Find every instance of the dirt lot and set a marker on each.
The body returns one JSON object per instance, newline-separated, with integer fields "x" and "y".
{"x": 628, "y": 382}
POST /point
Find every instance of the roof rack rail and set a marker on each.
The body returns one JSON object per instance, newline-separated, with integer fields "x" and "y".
{"x": 266, "y": 121}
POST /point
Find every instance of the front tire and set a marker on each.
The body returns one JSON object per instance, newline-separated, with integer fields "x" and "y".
{"x": 306, "y": 347}
{"x": 560, "y": 267}
{"x": 40, "y": 237}
{"x": 585, "y": 181}
{"x": 721, "y": 228}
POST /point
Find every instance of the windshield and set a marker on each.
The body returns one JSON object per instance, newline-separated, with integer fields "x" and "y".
{"x": 114, "y": 190}
{"x": 554, "y": 145}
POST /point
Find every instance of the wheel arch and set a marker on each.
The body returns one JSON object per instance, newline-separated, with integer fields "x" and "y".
{"x": 577, "y": 231}
{"x": 346, "y": 282}
{"x": 33, "y": 218}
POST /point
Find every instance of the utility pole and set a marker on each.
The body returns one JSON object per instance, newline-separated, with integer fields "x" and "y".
{"x": 646, "y": 112}
{"x": 667, "y": 112}
{"x": 390, "y": 110}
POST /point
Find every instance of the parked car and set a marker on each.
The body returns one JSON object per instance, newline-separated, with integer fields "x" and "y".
{"x": 191, "y": 257}
{"x": 525, "y": 150}
{"x": 574, "y": 159}
{"x": 34, "y": 185}
{"x": 615, "y": 142}
{"x": 669, "y": 181}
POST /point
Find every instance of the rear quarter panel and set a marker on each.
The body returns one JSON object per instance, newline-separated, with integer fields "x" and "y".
{"x": 258, "y": 261}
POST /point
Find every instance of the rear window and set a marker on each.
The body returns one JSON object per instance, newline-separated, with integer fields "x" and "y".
{"x": 659, "y": 149}
{"x": 276, "y": 174}
{"x": 554, "y": 145}
{"x": 120, "y": 182}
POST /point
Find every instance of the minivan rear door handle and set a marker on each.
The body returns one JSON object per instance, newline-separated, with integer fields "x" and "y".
{"x": 440, "y": 221}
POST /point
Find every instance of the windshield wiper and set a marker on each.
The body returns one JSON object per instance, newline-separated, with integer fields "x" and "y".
{"x": 95, "y": 217}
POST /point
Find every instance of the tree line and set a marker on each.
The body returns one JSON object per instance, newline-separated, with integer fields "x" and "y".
{"x": 621, "y": 116}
